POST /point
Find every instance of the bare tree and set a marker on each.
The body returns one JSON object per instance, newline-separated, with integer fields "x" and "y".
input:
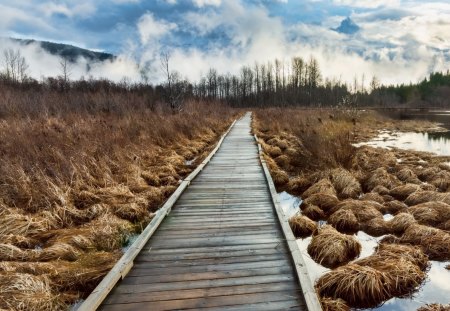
{"x": 15, "y": 64}
{"x": 66, "y": 69}
{"x": 176, "y": 88}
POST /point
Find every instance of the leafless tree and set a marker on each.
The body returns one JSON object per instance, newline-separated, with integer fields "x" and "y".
{"x": 176, "y": 88}
{"x": 66, "y": 69}
{"x": 15, "y": 65}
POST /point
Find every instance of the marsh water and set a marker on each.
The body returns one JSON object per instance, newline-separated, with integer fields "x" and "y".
{"x": 436, "y": 289}
{"x": 438, "y": 142}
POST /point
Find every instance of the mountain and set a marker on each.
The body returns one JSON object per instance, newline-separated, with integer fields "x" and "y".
{"x": 347, "y": 26}
{"x": 69, "y": 52}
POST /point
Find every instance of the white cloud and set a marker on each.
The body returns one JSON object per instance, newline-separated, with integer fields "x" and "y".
{"x": 152, "y": 29}
{"x": 202, "y": 3}
{"x": 367, "y": 3}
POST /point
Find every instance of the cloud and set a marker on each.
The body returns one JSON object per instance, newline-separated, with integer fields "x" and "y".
{"x": 399, "y": 40}
{"x": 151, "y": 29}
{"x": 202, "y": 3}
{"x": 367, "y": 3}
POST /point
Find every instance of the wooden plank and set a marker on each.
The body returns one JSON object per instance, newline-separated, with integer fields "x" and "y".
{"x": 188, "y": 277}
{"x": 172, "y": 286}
{"x": 138, "y": 263}
{"x": 216, "y": 248}
{"x": 291, "y": 304}
{"x": 199, "y": 293}
{"x": 208, "y": 255}
{"x": 206, "y": 302}
{"x": 140, "y": 269}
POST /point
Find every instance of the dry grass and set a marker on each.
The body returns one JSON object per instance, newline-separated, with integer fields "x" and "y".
{"x": 331, "y": 249}
{"x": 345, "y": 183}
{"x": 322, "y": 186}
{"x": 359, "y": 286}
{"x": 380, "y": 177}
{"x": 372, "y": 196}
{"x": 434, "y": 307}
{"x": 376, "y": 227}
{"x": 344, "y": 220}
{"x": 323, "y": 169}
{"x": 363, "y": 210}
{"x": 392, "y": 271}
{"x": 302, "y": 226}
{"x": 313, "y": 212}
{"x": 81, "y": 172}
{"x": 21, "y": 291}
{"x": 434, "y": 242}
{"x": 407, "y": 175}
{"x": 393, "y": 207}
{"x": 329, "y": 304}
{"x": 431, "y": 213}
{"x": 420, "y": 197}
{"x": 401, "y": 222}
{"x": 403, "y": 191}
{"x": 326, "y": 202}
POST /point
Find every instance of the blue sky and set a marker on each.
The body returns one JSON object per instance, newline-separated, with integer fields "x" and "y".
{"x": 398, "y": 40}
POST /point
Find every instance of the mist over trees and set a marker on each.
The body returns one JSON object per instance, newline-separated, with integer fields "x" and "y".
{"x": 295, "y": 82}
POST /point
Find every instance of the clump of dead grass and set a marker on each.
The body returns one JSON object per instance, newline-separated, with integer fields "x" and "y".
{"x": 403, "y": 191}
{"x": 329, "y": 304}
{"x": 326, "y": 202}
{"x": 344, "y": 220}
{"x": 401, "y": 222}
{"x": 372, "y": 196}
{"x": 430, "y": 213}
{"x": 20, "y": 291}
{"x": 359, "y": 286}
{"x": 380, "y": 177}
{"x": 313, "y": 212}
{"x": 393, "y": 207}
{"x": 331, "y": 249}
{"x": 434, "y": 307}
{"x": 408, "y": 176}
{"x": 434, "y": 242}
{"x": 322, "y": 186}
{"x": 420, "y": 197}
{"x": 392, "y": 271}
{"x": 302, "y": 226}
{"x": 345, "y": 184}
{"x": 376, "y": 227}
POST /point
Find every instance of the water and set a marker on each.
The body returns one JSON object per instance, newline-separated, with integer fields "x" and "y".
{"x": 439, "y": 116}
{"x": 438, "y": 143}
{"x": 289, "y": 203}
{"x": 129, "y": 241}
{"x": 190, "y": 162}
{"x": 435, "y": 290}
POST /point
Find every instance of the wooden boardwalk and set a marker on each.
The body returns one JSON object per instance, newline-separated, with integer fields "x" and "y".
{"x": 221, "y": 247}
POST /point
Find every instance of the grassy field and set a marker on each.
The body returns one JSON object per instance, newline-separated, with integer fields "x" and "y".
{"x": 80, "y": 173}
{"x": 310, "y": 154}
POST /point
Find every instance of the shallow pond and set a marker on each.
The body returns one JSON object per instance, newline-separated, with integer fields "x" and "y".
{"x": 439, "y": 116}
{"x": 438, "y": 143}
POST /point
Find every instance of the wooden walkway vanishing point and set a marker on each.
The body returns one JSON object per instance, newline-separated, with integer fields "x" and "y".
{"x": 224, "y": 245}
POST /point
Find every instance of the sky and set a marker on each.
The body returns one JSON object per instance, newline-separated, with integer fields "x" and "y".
{"x": 398, "y": 41}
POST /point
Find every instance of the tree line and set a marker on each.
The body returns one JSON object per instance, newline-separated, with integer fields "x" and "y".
{"x": 297, "y": 82}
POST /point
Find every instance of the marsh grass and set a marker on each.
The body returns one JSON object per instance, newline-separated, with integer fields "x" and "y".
{"x": 82, "y": 170}
{"x": 353, "y": 188}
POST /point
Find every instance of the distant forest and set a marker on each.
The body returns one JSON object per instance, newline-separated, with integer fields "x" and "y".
{"x": 298, "y": 82}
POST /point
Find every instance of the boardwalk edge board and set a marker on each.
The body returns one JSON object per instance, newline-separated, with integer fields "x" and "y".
{"x": 309, "y": 293}
{"x": 123, "y": 266}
